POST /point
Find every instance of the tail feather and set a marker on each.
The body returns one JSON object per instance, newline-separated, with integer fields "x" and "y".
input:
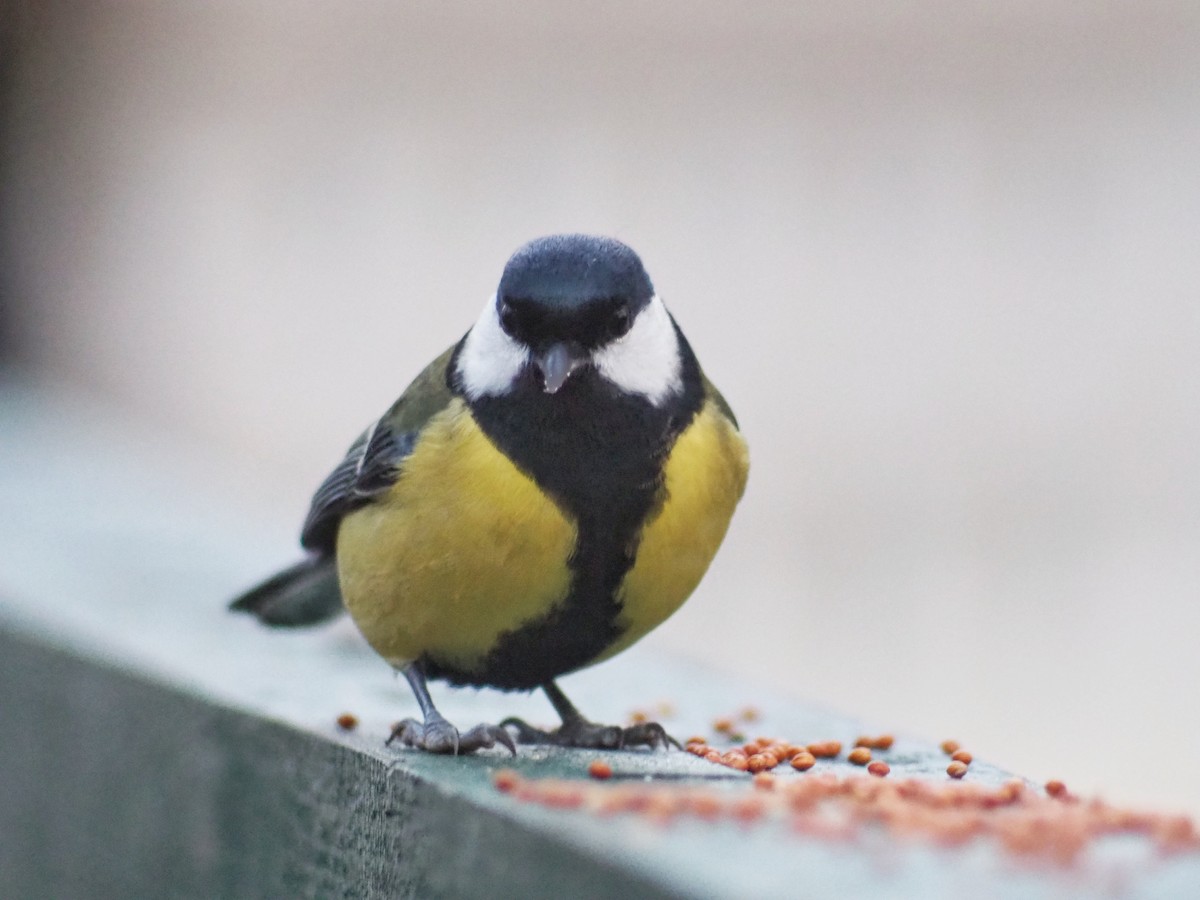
{"x": 304, "y": 594}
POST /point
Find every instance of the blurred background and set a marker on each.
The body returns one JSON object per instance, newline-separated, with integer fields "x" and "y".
{"x": 941, "y": 257}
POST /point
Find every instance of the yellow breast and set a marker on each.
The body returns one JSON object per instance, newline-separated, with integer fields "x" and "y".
{"x": 462, "y": 549}
{"x": 705, "y": 476}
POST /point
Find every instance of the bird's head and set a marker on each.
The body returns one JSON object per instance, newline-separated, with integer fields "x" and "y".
{"x": 568, "y": 304}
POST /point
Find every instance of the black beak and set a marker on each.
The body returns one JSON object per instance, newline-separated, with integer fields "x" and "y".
{"x": 556, "y": 363}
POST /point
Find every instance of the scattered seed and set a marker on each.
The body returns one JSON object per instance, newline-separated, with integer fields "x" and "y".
{"x": 600, "y": 770}
{"x": 704, "y": 805}
{"x": 882, "y": 742}
{"x": 860, "y": 756}
{"x": 825, "y": 749}
{"x": 748, "y": 808}
{"x": 764, "y": 781}
{"x": 347, "y": 721}
{"x": 828, "y": 808}
{"x": 803, "y": 761}
{"x": 506, "y": 780}
{"x": 950, "y": 747}
{"x": 956, "y": 769}
{"x": 757, "y": 763}
{"x": 962, "y": 756}
{"x": 879, "y": 768}
{"x": 1056, "y": 788}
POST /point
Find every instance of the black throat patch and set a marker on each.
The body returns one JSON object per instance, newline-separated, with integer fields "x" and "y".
{"x": 599, "y": 454}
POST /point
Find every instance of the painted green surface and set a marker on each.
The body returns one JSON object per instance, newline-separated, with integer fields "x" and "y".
{"x": 152, "y": 745}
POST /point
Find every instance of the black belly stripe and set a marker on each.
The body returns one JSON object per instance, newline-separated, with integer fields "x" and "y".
{"x": 600, "y": 454}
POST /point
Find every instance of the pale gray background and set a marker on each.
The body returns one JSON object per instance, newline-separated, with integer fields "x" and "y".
{"x": 941, "y": 257}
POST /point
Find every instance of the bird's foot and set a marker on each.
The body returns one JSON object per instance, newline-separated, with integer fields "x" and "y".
{"x": 589, "y": 735}
{"x": 439, "y": 736}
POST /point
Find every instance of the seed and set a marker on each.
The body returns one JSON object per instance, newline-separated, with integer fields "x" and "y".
{"x": 1056, "y": 788}
{"x": 506, "y": 780}
{"x": 1011, "y": 791}
{"x": 825, "y": 749}
{"x": 764, "y": 781}
{"x": 803, "y": 761}
{"x": 561, "y": 795}
{"x": 950, "y": 747}
{"x": 879, "y": 768}
{"x": 860, "y": 756}
{"x": 704, "y": 804}
{"x": 884, "y": 742}
{"x": 1173, "y": 834}
{"x": 758, "y": 763}
{"x": 748, "y": 808}
{"x": 723, "y": 725}
{"x": 639, "y": 717}
{"x": 347, "y": 721}
{"x": 714, "y": 756}
{"x": 599, "y": 769}
{"x": 749, "y": 714}
{"x": 956, "y": 769}
{"x": 962, "y": 756}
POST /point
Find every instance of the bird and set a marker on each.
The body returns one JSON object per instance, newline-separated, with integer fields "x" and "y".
{"x": 545, "y": 493}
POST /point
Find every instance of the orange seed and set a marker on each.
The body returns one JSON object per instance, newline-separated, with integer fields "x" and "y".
{"x": 803, "y": 761}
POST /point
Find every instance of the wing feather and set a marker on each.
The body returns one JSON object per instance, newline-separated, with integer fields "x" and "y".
{"x": 375, "y": 460}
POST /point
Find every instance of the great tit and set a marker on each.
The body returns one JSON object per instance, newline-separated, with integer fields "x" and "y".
{"x": 545, "y": 493}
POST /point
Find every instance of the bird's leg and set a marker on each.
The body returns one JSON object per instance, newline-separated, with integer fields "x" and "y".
{"x": 576, "y": 731}
{"x": 435, "y": 734}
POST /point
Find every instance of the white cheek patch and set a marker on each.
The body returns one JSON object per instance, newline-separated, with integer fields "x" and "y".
{"x": 646, "y": 361}
{"x": 490, "y": 360}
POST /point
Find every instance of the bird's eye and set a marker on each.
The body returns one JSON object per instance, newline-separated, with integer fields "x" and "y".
{"x": 622, "y": 321}
{"x": 508, "y": 317}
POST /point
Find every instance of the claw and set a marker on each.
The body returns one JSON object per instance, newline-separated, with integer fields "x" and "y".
{"x": 407, "y": 732}
{"x": 439, "y": 736}
{"x": 484, "y": 737}
{"x": 581, "y": 733}
{"x": 526, "y": 733}
{"x": 649, "y": 734}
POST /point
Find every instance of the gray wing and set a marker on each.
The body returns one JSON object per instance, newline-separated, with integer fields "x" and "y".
{"x": 371, "y": 466}
{"x": 373, "y": 462}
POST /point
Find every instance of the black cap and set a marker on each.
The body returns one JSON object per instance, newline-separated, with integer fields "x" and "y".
{"x": 573, "y": 269}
